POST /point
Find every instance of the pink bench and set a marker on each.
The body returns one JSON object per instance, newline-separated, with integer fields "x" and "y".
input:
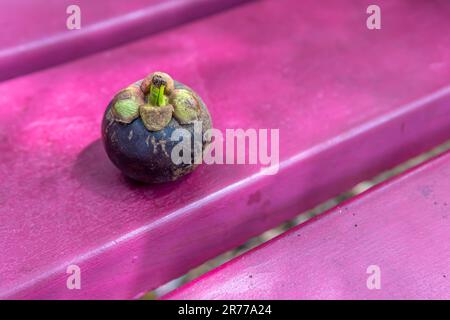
{"x": 34, "y": 33}
{"x": 349, "y": 104}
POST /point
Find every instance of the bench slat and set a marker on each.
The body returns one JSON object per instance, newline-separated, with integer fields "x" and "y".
{"x": 401, "y": 227}
{"x": 350, "y": 103}
{"x": 34, "y": 33}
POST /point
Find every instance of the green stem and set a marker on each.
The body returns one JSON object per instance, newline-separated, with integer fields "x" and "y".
{"x": 156, "y": 96}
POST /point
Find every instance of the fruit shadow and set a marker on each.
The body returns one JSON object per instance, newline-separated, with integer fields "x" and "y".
{"x": 96, "y": 173}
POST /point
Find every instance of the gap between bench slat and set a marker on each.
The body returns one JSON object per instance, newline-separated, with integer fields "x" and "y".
{"x": 391, "y": 242}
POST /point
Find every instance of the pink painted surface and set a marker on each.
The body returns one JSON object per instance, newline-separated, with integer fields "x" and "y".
{"x": 351, "y": 102}
{"x": 403, "y": 227}
{"x": 34, "y": 33}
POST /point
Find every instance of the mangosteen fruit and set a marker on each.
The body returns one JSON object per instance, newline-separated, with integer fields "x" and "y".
{"x": 139, "y": 125}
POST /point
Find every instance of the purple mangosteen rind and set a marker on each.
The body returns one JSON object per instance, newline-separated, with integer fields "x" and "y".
{"x": 145, "y": 155}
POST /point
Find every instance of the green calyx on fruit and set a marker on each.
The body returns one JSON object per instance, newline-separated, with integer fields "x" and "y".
{"x": 126, "y": 104}
{"x": 156, "y": 100}
{"x": 186, "y": 106}
{"x": 155, "y": 118}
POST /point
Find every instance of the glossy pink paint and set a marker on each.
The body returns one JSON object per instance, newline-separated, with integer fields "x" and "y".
{"x": 401, "y": 227}
{"x": 349, "y": 103}
{"x": 35, "y": 36}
